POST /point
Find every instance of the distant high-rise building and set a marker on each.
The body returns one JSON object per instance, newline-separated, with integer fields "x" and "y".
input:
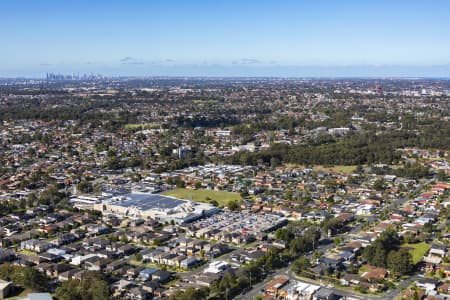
{"x": 378, "y": 89}
{"x": 73, "y": 76}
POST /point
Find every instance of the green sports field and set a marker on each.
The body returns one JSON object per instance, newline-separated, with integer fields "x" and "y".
{"x": 204, "y": 195}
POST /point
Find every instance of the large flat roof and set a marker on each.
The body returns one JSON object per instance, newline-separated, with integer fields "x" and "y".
{"x": 148, "y": 201}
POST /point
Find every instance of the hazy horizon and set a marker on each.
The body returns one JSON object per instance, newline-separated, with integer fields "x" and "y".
{"x": 231, "y": 38}
{"x": 227, "y": 71}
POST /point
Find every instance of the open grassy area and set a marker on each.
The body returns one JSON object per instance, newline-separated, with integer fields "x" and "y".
{"x": 202, "y": 101}
{"x": 26, "y": 252}
{"x": 204, "y": 195}
{"x": 363, "y": 269}
{"x": 141, "y": 126}
{"x": 417, "y": 251}
{"x": 337, "y": 169}
{"x": 334, "y": 169}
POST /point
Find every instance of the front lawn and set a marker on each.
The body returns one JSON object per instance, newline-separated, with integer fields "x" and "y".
{"x": 417, "y": 251}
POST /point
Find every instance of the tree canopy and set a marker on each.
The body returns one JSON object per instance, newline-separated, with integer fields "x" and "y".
{"x": 91, "y": 287}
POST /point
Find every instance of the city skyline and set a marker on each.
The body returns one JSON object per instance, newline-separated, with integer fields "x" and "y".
{"x": 202, "y": 38}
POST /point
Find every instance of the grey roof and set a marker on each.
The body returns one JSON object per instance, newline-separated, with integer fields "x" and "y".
{"x": 324, "y": 293}
{"x": 149, "y": 271}
{"x": 439, "y": 247}
{"x": 39, "y": 296}
{"x": 149, "y": 201}
{"x": 425, "y": 280}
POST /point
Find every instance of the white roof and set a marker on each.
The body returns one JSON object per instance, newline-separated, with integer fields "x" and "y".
{"x": 301, "y": 286}
{"x": 4, "y": 284}
{"x": 311, "y": 289}
{"x": 39, "y": 296}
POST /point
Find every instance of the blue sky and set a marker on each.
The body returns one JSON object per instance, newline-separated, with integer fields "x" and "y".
{"x": 233, "y": 37}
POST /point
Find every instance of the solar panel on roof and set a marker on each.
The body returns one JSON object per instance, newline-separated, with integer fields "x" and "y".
{"x": 149, "y": 201}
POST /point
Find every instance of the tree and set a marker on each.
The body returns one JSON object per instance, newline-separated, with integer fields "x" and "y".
{"x": 85, "y": 187}
{"x": 233, "y": 205}
{"x": 441, "y": 175}
{"x": 379, "y": 185}
{"x": 138, "y": 257}
{"x": 198, "y": 185}
{"x": 334, "y": 225}
{"x": 275, "y": 162}
{"x": 32, "y": 199}
{"x": 301, "y": 264}
{"x": 192, "y": 293}
{"x": 379, "y": 257}
{"x": 288, "y": 195}
{"x": 337, "y": 241}
{"x": 272, "y": 260}
{"x": 32, "y": 278}
{"x": 225, "y": 282}
{"x": 96, "y": 287}
{"x": 242, "y": 281}
{"x": 244, "y": 193}
{"x": 428, "y": 227}
{"x": 26, "y": 277}
{"x": 22, "y": 203}
{"x": 376, "y": 253}
{"x": 284, "y": 234}
{"x": 114, "y": 163}
{"x": 179, "y": 183}
{"x": 69, "y": 290}
{"x": 400, "y": 262}
{"x": 91, "y": 287}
